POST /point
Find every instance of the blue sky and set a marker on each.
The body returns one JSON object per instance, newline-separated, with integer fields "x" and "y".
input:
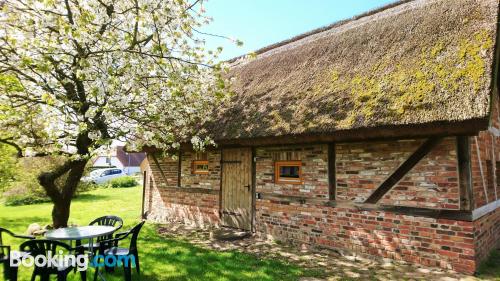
{"x": 259, "y": 23}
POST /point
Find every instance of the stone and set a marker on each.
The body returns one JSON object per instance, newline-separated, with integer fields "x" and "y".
{"x": 33, "y": 229}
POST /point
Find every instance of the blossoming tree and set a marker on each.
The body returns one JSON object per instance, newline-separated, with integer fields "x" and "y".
{"x": 76, "y": 74}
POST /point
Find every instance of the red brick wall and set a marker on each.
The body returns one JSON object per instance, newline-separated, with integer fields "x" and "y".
{"x": 487, "y": 234}
{"x": 485, "y": 163}
{"x": 432, "y": 183}
{"x": 210, "y": 181}
{"x": 166, "y": 202}
{"x": 426, "y": 241}
{"x": 314, "y": 170}
{"x": 361, "y": 167}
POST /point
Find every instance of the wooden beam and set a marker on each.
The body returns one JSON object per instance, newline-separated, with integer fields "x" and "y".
{"x": 159, "y": 168}
{"x": 254, "y": 187}
{"x": 435, "y": 129}
{"x": 464, "y": 173}
{"x": 332, "y": 181}
{"x": 144, "y": 179}
{"x": 390, "y": 132}
{"x": 197, "y": 190}
{"x": 179, "y": 168}
{"x": 460, "y": 215}
{"x": 403, "y": 169}
{"x": 221, "y": 179}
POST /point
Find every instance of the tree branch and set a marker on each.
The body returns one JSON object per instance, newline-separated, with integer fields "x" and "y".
{"x": 18, "y": 148}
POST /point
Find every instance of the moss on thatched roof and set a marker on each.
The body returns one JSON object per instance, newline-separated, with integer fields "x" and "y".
{"x": 417, "y": 62}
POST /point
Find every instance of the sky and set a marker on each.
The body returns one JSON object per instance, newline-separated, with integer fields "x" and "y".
{"x": 259, "y": 23}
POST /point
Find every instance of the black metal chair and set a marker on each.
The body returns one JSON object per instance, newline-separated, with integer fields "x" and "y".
{"x": 9, "y": 273}
{"x": 44, "y": 248}
{"x": 110, "y": 248}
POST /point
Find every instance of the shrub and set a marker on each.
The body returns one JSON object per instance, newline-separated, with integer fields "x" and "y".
{"x": 24, "y": 199}
{"x": 125, "y": 181}
{"x": 85, "y": 186}
{"x": 8, "y": 169}
{"x": 22, "y": 193}
{"x": 24, "y": 189}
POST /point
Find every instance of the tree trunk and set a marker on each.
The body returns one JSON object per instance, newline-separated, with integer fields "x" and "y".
{"x": 60, "y": 213}
{"x": 61, "y": 196}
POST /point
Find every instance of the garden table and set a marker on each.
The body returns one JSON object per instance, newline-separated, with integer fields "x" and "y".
{"x": 79, "y": 233}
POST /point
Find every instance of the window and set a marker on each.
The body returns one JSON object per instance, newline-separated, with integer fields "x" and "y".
{"x": 200, "y": 167}
{"x": 116, "y": 171}
{"x": 288, "y": 172}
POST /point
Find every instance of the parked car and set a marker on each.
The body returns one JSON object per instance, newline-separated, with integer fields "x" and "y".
{"x": 102, "y": 176}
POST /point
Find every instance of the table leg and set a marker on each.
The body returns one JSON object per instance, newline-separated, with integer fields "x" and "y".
{"x": 91, "y": 248}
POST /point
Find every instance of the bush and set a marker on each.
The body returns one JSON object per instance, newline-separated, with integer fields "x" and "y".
{"x": 22, "y": 193}
{"x": 24, "y": 199}
{"x": 125, "y": 181}
{"x": 24, "y": 188}
{"x": 85, "y": 186}
{"x": 8, "y": 168}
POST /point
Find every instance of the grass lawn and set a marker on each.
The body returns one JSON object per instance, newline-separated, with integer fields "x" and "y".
{"x": 161, "y": 258}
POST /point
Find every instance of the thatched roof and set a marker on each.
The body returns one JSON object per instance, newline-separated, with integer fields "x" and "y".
{"x": 415, "y": 62}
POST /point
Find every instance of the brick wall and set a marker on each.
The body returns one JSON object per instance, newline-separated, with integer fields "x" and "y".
{"x": 360, "y": 167}
{"x": 487, "y": 234}
{"x": 426, "y": 241}
{"x": 485, "y": 164}
{"x": 314, "y": 170}
{"x": 210, "y": 181}
{"x": 164, "y": 201}
{"x": 432, "y": 183}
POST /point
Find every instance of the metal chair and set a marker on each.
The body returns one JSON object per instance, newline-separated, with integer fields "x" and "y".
{"x": 9, "y": 273}
{"x": 45, "y": 248}
{"x": 110, "y": 248}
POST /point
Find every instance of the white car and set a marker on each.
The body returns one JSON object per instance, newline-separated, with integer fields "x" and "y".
{"x": 102, "y": 176}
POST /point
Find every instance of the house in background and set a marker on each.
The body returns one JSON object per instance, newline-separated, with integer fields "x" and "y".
{"x": 378, "y": 135}
{"x": 117, "y": 157}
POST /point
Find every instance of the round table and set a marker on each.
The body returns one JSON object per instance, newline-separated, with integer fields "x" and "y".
{"x": 80, "y": 233}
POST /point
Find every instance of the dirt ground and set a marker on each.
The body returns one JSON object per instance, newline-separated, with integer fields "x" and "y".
{"x": 337, "y": 265}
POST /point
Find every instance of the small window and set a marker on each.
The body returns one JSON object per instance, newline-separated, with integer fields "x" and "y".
{"x": 200, "y": 167}
{"x": 288, "y": 172}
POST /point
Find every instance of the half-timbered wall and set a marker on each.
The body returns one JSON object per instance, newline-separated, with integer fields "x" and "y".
{"x": 301, "y": 213}
{"x": 485, "y": 162}
{"x": 314, "y": 160}
{"x": 165, "y": 201}
{"x": 210, "y": 181}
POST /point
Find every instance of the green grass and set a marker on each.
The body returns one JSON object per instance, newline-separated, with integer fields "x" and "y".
{"x": 161, "y": 258}
{"x": 490, "y": 269}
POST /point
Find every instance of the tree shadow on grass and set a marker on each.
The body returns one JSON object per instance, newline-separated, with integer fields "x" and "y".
{"x": 172, "y": 259}
{"x": 490, "y": 268}
{"x": 20, "y": 222}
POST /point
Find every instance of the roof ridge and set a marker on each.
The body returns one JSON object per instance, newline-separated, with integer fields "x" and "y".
{"x": 322, "y": 29}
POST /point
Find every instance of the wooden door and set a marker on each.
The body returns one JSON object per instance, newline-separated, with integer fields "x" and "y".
{"x": 237, "y": 190}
